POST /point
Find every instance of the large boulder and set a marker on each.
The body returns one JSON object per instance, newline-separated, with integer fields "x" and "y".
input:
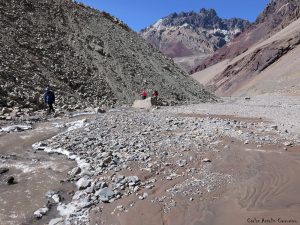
{"x": 147, "y": 103}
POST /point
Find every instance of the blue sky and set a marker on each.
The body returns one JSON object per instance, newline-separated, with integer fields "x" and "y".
{"x": 139, "y": 14}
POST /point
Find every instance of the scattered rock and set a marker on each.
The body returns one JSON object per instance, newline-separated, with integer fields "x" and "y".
{"x": 100, "y": 185}
{"x": 206, "y": 160}
{"x": 75, "y": 171}
{"x": 10, "y": 180}
{"x": 274, "y": 127}
{"x": 83, "y": 183}
{"x": 99, "y": 110}
{"x": 41, "y": 212}
{"x": 132, "y": 180}
{"x": 56, "y": 198}
{"x": 145, "y": 195}
{"x": 288, "y": 144}
{"x": 56, "y": 221}
{"x": 105, "y": 194}
{"x": 3, "y": 170}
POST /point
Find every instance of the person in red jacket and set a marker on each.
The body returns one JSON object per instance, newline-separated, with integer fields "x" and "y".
{"x": 144, "y": 94}
{"x": 155, "y": 94}
{"x": 155, "y": 97}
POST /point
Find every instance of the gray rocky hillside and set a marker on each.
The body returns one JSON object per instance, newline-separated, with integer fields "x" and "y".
{"x": 88, "y": 57}
{"x": 190, "y": 37}
{"x": 191, "y": 33}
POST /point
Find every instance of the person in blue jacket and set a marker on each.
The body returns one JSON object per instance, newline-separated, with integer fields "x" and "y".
{"x": 49, "y": 98}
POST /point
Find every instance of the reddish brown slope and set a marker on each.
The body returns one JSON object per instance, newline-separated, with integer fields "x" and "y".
{"x": 277, "y": 15}
{"x": 270, "y": 66}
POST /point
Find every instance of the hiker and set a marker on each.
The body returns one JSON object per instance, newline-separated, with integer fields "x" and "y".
{"x": 49, "y": 98}
{"x": 144, "y": 94}
{"x": 155, "y": 95}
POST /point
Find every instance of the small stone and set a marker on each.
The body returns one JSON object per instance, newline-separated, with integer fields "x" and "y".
{"x": 56, "y": 221}
{"x": 10, "y": 180}
{"x": 41, "y": 212}
{"x": 56, "y": 198}
{"x": 49, "y": 194}
{"x": 246, "y": 142}
{"x": 119, "y": 178}
{"x": 181, "y": 163}
{"x": 100, "y": 185}
{"x": 288, "y": 144}
{"x": 99, "y": 110}
{"x": 74, "y": 171}
{"x": 105, "y": 194}
{"x": 274, "y": 127}
{"x": 206, "y": 160}
{"x": 41, "y": 146}
{"x": 136, "y": 188}
{"x": 132, "y": 180}
{"x": 3, "y": 170}
{"x": 149, "y": 186}
{"x": 83, "y": 183}
{"x": 145, "y": 195}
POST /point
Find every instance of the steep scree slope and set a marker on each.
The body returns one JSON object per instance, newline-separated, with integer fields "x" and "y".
{"x": 89, "y": 57}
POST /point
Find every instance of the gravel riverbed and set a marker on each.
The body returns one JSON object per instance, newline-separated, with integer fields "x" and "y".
{"x": 127, "y": 158}
{"x": 129, "y": 152}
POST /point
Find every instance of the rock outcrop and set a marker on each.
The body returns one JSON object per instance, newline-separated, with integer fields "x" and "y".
{"x": 89, "y": 58}
{"x": 194, "y": 34}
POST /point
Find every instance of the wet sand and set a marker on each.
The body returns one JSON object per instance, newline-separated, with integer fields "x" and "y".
{"x": 266, "y": 191}
{"x": 35, "y": 173}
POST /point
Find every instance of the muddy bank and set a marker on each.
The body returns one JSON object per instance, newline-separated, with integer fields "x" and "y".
{"x": 34, "y": 172}
{"x": 269, "y": 195}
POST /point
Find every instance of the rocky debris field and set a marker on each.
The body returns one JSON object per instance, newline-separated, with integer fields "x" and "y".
{"x": 20, "y": 115}
{"x": 162, "y": 156}
{"x": 70, "y": 47}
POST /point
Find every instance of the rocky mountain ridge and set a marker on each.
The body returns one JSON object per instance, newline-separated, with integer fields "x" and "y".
{"x": 89, "y": 58}
{"x": 192, "y": 34}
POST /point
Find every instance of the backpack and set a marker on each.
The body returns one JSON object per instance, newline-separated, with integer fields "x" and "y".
{"x": 49, "y": 97}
